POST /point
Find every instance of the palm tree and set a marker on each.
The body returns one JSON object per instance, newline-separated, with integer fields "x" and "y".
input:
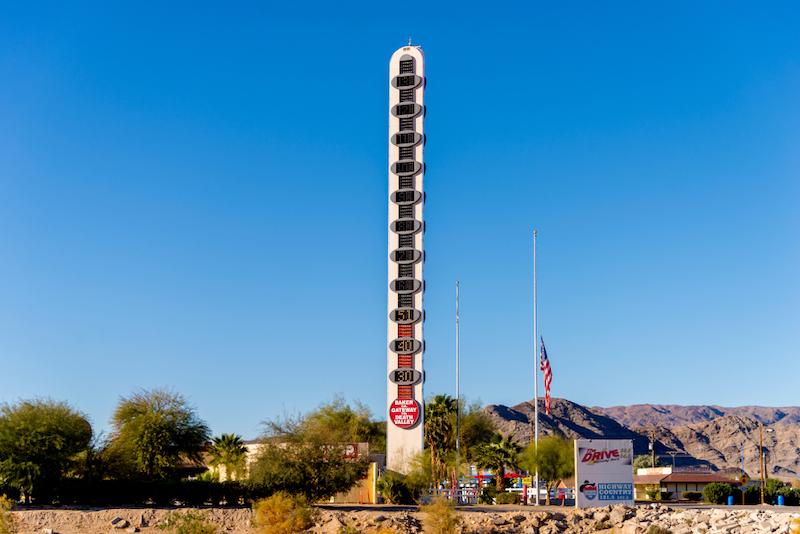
{"x": 497, "y": 455}
{"x": 439, "y": 432}
{"x": 228, "y": 451}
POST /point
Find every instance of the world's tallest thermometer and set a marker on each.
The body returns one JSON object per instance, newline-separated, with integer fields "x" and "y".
{"x": 404, "y": 434}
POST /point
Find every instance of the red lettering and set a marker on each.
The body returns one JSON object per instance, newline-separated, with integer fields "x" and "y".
{"x": 588, "y": 455}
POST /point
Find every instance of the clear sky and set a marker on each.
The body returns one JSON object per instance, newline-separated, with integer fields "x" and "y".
{"x": 194, "y": 195}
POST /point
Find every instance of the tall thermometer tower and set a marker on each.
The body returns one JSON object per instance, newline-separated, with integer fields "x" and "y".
{"x": 404, "y": 434}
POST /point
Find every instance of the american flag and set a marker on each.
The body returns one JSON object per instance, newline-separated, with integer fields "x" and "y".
{"x": 548, "y": 377}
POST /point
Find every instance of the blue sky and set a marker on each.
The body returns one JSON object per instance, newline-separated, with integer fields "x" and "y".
{"x": 194, "y": 195}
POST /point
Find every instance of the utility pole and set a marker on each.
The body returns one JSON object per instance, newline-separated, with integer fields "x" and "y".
{"x": 653, "y": 446}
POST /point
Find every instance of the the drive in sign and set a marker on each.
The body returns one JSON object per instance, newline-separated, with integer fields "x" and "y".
{"x": 404, "y": 412}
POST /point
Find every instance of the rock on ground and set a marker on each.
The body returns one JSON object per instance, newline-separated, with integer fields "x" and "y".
{"x": 608, "y": 520}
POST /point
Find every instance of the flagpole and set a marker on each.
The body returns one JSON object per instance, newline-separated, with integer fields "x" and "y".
{"x": 458, "y": 408}
{"x": 535, "y": 366}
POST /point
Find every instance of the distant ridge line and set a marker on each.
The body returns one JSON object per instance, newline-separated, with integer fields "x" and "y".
{"x": 675, "y": 415}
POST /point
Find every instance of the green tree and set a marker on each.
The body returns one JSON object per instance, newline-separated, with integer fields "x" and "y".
{"x": 301, "y": 459}
{"x": 38, "y": 439}
{"x": 475, "y": 427}
{"x": 442, "y": 420}
{"x": 717, "y": 492}
{"x": 341, "y": 423}
{"x": 159, "y": 429}
{"x": 644, "y": 461}
{"x": 439, "y": 433}
{"x": 102, "y": 459}
{"x": 229, "y": 452}
{"x": 553, "y": 459}
{"x": 497, "y": 455}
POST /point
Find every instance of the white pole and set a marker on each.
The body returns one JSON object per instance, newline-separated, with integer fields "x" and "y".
{"x": 535, "y": 365}
{"x": 458, "y": 408}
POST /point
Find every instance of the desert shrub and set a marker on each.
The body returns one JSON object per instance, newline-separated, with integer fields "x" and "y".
{"x": 791, "y": 496}
{"x": 191, "y": 522}
{"x": 507, "y": 497}
{"x": 771, "y": 488}
{"x": 282, "y": 513}
{"x": 441, "y": 517}
{"x": 717, "y": 492}
{"x": 752, "y": 494}
{"x": 692, "y": 495}
{"x": 658, "y": 529}
{"x": 394, "y": 489}
{"x": 487, "y": 494}
{"x": 8, "y": 523}
{"x": 603, "y": 525}
{"x": 233, "y": 493}
{"x": 653, "y": 492}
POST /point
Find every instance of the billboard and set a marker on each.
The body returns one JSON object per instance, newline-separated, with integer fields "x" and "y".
{"x": 603, "y": 472}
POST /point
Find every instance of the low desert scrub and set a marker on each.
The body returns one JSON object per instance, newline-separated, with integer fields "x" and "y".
{"x": 603, "y": 525}
{"x": 657, "y": 529}
{"x": 8, "y": 523}
{"x": 282, "y": 513}
{"x": 191, "y": 522}
{"x": 440, "y": 517}
{"x": 507, "y": 497}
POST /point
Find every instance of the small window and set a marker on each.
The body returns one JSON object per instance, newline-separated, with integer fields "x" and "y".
{"x": 407, "y": 95}
{"x": 406, "y": 66}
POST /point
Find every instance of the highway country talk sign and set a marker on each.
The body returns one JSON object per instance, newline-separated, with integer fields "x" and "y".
{"x": 603, "y": 472}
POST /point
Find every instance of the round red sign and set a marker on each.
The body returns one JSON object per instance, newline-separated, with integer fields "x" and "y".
{"x": 404, "y": 412}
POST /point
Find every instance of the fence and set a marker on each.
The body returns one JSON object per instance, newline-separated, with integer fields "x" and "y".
{"x": 459, "y": 496}
{"x": 470, "y": 495}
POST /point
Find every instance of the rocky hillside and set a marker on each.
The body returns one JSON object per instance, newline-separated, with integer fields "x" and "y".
{"x": 570, "y": 419}
{"x": 717, "y": 443}
{"x": 721, "y": 442}
{"x": 671, "y": 415}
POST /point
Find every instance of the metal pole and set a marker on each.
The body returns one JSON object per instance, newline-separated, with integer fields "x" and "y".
{"x": 653, "y": 446}
{"x": 761, "y": 461}
{"x": 458, "y": 403}
{"x": 743, "y": 458}
{"x": 535, "y": 365}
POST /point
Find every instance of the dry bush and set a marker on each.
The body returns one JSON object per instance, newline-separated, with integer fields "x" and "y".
{"x": 282, "y": 513}
{"x": 191, "y": 522}
{"x": 440, "y": 517}
{"x": 8, "y": 523}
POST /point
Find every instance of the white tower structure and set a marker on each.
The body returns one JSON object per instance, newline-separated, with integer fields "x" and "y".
{"x": 405, "y": 421}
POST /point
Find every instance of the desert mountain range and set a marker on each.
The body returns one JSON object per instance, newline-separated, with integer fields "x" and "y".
{"x": 710, "y": 436}
{"x": 671, "y": 415}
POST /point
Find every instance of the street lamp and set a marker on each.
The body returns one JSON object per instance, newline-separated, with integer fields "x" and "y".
{"x": 761, "y": 458}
